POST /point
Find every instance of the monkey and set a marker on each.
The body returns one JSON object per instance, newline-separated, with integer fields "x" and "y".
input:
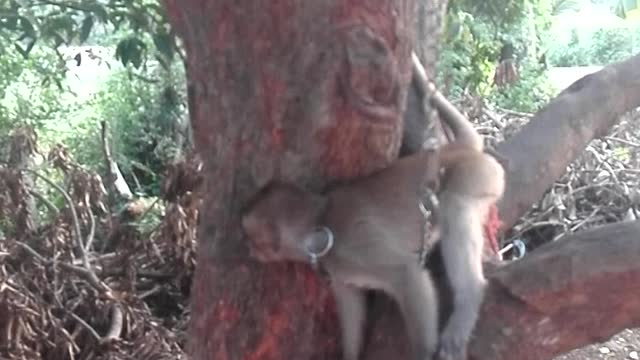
{"x": 358, "y": 233}
{"x": 354, "y": 233}
{"x": 472, "y": 182}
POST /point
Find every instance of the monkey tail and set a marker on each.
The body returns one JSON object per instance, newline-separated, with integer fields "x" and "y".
{"x": 462, "y": 128}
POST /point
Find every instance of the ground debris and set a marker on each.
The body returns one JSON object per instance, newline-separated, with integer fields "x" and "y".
{"x": 90, "y": 283}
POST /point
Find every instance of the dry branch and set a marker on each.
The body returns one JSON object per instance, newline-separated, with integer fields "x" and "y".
{"x": 540, "y": 152}
{"x": 115, "y": 181}
{"x": 570, "y": 293}
{"x": 93, "y": 278}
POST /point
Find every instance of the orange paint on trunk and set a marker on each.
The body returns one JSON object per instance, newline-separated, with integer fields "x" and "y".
{"x": 491, "y": 227}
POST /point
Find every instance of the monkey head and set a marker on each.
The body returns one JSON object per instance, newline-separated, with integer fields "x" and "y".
{"x": 281, "y": 221}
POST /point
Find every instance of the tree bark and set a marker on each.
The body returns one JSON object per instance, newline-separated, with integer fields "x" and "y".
{"x": 540, "y": 152}
{"x": 303, "y": 91}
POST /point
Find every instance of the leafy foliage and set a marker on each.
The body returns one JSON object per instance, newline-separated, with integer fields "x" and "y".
{"x": 143, "y": 103}
{"x": 601, "y": 47}
{"x": 564, "y": 6}
{"x": 146, "y": 122}
{"x": 29, "y": 94}
{"x": 475, "y": 35}
{"x": 530, "y": 93}
{"x": 57, "y": 23}
{"x": 467, "y": 59}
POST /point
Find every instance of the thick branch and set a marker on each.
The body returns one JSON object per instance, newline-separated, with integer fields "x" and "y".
{"x": 540, "y": 152}
{"x": 567, "y": 294}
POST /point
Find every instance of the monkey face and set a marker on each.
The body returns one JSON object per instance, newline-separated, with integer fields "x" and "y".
{"x": 264, "y": 240}
{"x": 278, "y": 238}
{"x": 279, "y": 220}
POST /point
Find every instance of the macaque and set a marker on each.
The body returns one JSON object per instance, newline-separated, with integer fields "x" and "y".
{"x": 361, "y": 233}
{"x": 358, "y": 234}
{"x": 471, "y": 183}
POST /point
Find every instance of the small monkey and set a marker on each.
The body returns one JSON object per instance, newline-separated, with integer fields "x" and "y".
{"x": 359, "y": 232}
{"x": 471, "y": 183}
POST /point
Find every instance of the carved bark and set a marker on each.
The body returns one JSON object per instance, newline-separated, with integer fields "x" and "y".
{"x": 305, "y": 91}
{"x": 540, "y": 152}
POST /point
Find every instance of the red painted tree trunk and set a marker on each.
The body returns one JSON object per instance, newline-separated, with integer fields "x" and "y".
{"x": 306, "y": 91}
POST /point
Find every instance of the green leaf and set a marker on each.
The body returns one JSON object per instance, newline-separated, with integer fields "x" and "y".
{"x": 30, "y": 46}
{"x": 22, "y": 51}
{"x": 131, "y": 50}
{"x": 27, "y": 27}
{"x": 9, "y": 22}
{"x": 122, "y": 52}
{"x": 165, "y": 45}
{"x": 85, "y": 30}
{"x": 57, "y": 38}
{"x": 100, "y": 12}
{"x": 163, "y": 62}
{"x": 139, "y": 20}
{"x": 56, "y": 26}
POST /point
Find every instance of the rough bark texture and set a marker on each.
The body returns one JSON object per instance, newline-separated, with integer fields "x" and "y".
{"x": 567, "y": 294}
{"x": 305, "y": 91}
{"x": 540, "y": 152}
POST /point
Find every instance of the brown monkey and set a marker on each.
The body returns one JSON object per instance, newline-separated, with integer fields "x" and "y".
{"x": 472, "y": 182}
{"x": 358, "y": 232}
{"x": 354, "y": 232}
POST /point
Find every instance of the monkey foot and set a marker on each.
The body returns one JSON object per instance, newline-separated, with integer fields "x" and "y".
{"x": 451, "y": 348}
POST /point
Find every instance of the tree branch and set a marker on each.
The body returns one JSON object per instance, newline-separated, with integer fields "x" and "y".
{"x": 567, "y": 294}
{"x": 540, "y": 152}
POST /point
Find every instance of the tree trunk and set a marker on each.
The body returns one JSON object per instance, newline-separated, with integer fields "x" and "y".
{"x": 304, "y": 91}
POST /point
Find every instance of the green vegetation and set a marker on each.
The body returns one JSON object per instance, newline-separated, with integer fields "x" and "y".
{"x": 599, "y": 47}
{"x": 481, "y": 36}
{"x": 141, "y": 95}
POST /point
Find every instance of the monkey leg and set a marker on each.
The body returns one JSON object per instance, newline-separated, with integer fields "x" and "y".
{"x": 462, "y": 256}
{"x": 418, "y": 304}
{"x": 351, "y": 307}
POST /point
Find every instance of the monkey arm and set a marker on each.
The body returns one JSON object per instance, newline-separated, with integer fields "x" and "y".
{"x": 351, "y": 308}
